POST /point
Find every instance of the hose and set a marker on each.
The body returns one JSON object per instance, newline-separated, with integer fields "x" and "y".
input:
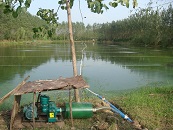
{"x": 113, "y": 108}
{"x": 100, "y": 108}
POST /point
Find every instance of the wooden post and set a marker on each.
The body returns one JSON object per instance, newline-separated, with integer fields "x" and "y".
{"x": 15, "y": 110}
{"x": 16, "y": 103}
{"x": 33, "y": 118}
{"x": 70, "y": 106}
{"x": 76, "y": 91}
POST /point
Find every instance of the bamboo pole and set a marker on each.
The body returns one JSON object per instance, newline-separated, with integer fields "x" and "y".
{"x": 70, "y": 106}
{"x": 33, "y": 116}
{"x": 15, "y": 109}
{"x": 16, "y": 104}
{"x": 14, "y": 90}
{"x": 76, "y": 91}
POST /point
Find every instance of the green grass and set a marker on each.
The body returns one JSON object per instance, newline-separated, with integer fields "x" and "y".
{"x": 15, "y": 43}
{"x": 151, "y": 106}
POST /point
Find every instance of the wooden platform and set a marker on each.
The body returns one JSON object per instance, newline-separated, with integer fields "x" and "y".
{"x": 76, "y": 82}
{"x": 19, "y": 123}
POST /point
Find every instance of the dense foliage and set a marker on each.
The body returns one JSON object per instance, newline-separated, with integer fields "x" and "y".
{"x": 24, "y": 27}
{"x": 51, "y": 16}
{"x": 147, "y": 27}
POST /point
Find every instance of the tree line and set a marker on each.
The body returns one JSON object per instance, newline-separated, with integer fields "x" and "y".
{"x": 146, "y": 27}
{"x": 151, "y": 27}
{"x": 24, "y": 27}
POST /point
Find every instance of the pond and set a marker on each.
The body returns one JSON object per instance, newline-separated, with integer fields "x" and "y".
{"x": 105, "y": 67}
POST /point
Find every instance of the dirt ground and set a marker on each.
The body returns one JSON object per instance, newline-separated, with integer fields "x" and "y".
{"x": 102, "y": 120}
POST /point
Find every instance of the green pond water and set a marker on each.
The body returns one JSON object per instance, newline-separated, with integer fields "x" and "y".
{"x": 105, "y": 67}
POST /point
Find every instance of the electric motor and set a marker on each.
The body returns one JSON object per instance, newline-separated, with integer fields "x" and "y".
{"x": 28, "y": 111}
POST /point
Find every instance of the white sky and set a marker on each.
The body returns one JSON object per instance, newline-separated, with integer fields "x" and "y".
{"x": 113, "y": 14}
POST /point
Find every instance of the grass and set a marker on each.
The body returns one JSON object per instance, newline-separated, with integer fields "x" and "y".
{"x": 15, "y": 43}
{"x": 4, "y": 43}
{"x": 151, "y": 106}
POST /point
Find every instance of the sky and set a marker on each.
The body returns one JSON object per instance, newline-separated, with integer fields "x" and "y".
{"x": 113, "y": 14}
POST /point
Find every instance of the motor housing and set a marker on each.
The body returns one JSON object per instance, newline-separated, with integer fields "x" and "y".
{"x": 28, "y": 111}
{"x": 52, "y": 113}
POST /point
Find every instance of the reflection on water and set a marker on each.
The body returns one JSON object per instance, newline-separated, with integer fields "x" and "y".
{"x": 106, "y": 67}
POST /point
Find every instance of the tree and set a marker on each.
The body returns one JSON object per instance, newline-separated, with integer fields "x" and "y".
{"x": 96, "y": 6}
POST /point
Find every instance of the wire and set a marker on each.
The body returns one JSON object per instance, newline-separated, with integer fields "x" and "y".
{"x": 80, "y": 11}
{"x": 81, "y": 63}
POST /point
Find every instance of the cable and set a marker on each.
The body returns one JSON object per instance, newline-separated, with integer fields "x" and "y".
{"x": 113, "y": 108}
{"x": 80, "y": 11}
{"x": 81, "y": 64}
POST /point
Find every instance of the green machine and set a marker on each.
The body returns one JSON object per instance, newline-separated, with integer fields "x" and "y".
{"x": 53, "y": 113}
{"x": 79, "y": 110}
{"x": 50, "y": 108}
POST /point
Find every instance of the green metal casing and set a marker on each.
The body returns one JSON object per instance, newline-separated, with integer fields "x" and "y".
{"x": 28, "y": 111}
{"x": 52, "y": 112}
{"x": 79, "y": 110}
{"x": 44, "y": 100}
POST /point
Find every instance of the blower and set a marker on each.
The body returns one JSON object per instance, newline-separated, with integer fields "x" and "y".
{"x": 52, "y": 113}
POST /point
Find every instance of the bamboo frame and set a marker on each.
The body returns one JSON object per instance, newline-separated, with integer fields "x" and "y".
{"x": 15, "y": 110}
{"x": 16, "y": 104}
{"x": 33, "y": 118}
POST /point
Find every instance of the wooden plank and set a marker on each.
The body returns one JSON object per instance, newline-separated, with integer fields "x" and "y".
{"x": 15, "y": 110}
{"x": 71, "y": 114}
{"x": 28, "y": 125}
{"x": 14, "y": 90}
{"x": 33, "y": 117}
{"x": 50, "y": 85}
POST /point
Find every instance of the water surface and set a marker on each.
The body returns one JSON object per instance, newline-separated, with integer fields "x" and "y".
{"x": 105, "y": 67}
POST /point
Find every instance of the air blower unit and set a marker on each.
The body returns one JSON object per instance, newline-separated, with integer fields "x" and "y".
{"x": 28, "y": 111}
{"x": 52, "y": 113}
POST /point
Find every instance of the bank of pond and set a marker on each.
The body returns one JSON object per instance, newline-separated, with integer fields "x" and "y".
{"x": 151, "y": 107}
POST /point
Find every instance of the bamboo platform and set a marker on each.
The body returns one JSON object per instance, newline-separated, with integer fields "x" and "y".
{"x": 20, "y": 124}
{"x": 76, "y": 82}
{"x": 38, "y": 86}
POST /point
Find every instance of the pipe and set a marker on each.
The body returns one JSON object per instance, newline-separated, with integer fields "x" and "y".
{"x": 100, "y": 108}
{"x": 113, "y": 108}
